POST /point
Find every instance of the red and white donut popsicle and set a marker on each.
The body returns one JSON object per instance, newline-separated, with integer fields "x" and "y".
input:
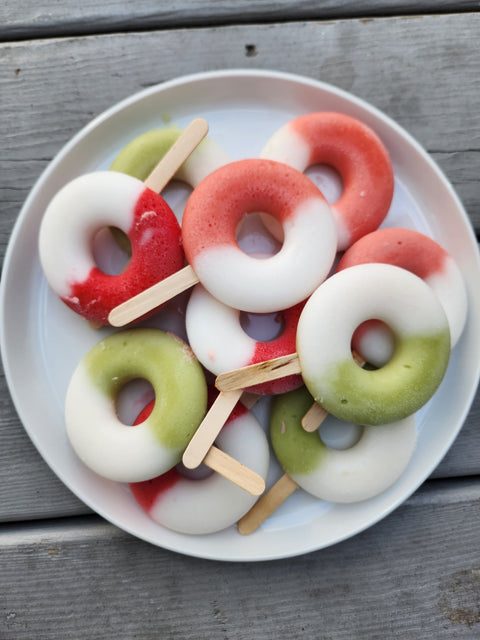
{"x": 215, "y": 334}
{"x": 243, "y": 282}
{"x": 358, "y": 155}
{"x": 111, "y": 199}
{"x": 207, "y": 504}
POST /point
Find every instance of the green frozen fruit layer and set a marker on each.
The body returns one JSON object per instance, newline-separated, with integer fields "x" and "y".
{"x": 297, "y": 450}
{"x": 141, "y": 155}
{"x": 393, "y": 392}
{"x": 168, "y": 364}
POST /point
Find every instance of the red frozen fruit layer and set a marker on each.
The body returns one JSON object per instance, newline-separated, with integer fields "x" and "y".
{"x": 361, "y": 159}
{"x": 400, "y": 247}
{"x": 283, "y": 345}
{"x": 157, "y": 252}
{"x": 220, "y": 201}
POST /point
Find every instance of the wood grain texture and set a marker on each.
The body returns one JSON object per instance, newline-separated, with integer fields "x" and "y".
{"x": 28, "y": 19}
{"x": 417, "y": 70}
{"x": 420, "y": 71}
{"x": 415, "y": 574}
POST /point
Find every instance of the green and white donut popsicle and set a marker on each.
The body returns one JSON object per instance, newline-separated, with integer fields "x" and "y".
{"x": 364, "y": 470}
{"x": 421, "y": 344}
{"x": 143, "y": 153}
{"x": 115, "y": 450}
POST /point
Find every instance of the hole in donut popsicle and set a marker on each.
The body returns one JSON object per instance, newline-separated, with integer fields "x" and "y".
{"x": 104, "y": 199}
{"x": 358, "y": 472}
{"x": 210, "y": 220}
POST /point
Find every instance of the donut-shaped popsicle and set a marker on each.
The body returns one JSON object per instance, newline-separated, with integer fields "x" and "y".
{"x": 94, "y": 201}
{"x": 199, "y": 506}
{"x": 210, "y": 220}
{"x": 324, "y": 357}
{"x": 99, "y": 438}
{"x": 220, "y": 343}
{"x": 115, "y": 450}
{"x": 366, "y": 469}
{"x": 356, "y": 152}
{"x": 140, "y": 156}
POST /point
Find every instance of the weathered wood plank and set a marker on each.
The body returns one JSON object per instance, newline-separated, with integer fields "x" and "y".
{"x": 413, "y": 575}
{"x": 27, "y": 19}
{"x": 28, "y": 488}
{"x": 417, "y": 70}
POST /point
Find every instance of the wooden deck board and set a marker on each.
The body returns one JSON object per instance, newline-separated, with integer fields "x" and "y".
{"x": 415, "y": 574}
{"x": 27, "y": 19}
{"x": 428, "y": 85}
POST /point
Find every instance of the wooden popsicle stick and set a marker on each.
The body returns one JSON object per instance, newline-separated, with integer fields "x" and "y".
{"x": 177, "y": 154}
{"x": 234, "y": 471}
{"x": 267, "y": 504}
{"x": 317, "y": 414}
{"x": 249, "y": 399}
{"x": 154, "y": 296}
{"x": 314, "y": 417}
{"x": 358, "y": 359}
{"x": 210, "y": 427}
{"x": 94, "y": 325}
{"x": 258, "y": 373}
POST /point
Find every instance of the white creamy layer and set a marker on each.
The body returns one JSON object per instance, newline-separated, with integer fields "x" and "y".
{"x": 450, "y": 288}
{"x": 76, "y": 213}
{"x": 106, "y": 445}
{"x": 214, "y": 503}
{"x": 215, "y": 334}
{"x": 207, "y": 157}
{"x": 282, "y": 280}
{"x": 376, "y": 344}
{"x": 289, "y": 147}
{"x": 372, "y": 465}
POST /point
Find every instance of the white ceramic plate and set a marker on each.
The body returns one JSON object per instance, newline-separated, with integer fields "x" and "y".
{"x": 42, "y": 341}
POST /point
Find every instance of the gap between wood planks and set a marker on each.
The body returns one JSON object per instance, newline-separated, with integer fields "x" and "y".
{"x": 282, "y": 12}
